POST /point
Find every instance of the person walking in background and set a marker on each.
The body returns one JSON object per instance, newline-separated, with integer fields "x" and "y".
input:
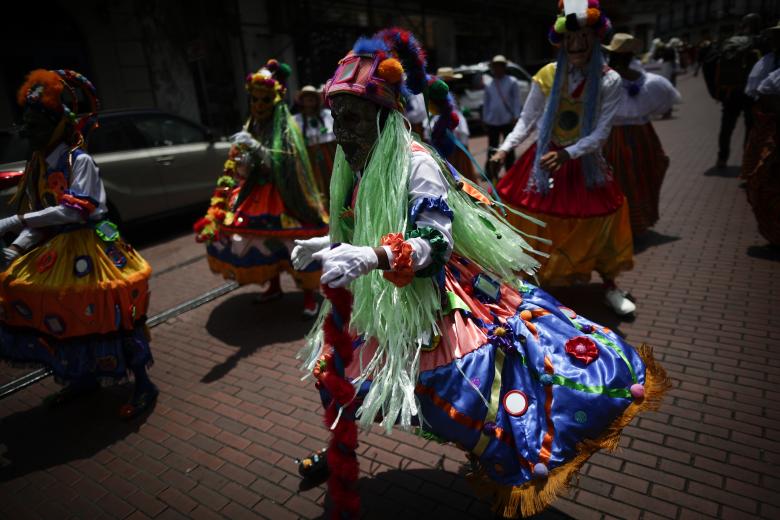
{"x": 416, "y": 113}
{"x": 316, "y": 125}
{"x": 633, "y": 149}
{"x": 458, "y": 158}
{"x": 761, "y": 162}
{"x": 702, "y": 50}
{"x": 500, "y": 111}
{"x": 726, "y": 72}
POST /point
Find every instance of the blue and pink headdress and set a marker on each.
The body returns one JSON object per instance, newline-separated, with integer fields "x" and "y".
{"x": 386, "y": 69}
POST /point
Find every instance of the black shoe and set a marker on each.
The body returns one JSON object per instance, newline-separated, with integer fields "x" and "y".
{"x": 314, "y": 468}
{"x": 142, "y": 401}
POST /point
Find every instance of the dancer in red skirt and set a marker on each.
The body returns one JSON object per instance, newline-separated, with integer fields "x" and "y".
{"x": 563, "y": 179}
{"x": 633, "y": 149}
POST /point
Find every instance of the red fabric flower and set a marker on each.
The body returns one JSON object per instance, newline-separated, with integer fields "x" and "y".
{"x": 402, "y": 272}
{"x": 583, "y": 349}
{"x": 46, "y": 261}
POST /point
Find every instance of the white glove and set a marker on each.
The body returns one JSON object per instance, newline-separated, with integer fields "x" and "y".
{"x": 344, "y": 263}
{"x": 8, "y": 255}
{"x": 304, "y": 249}
{"x": 10, "y": 224}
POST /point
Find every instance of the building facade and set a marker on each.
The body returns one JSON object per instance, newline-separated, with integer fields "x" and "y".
{"x": 190, "y": 58}
{"x": 690, "y": 20}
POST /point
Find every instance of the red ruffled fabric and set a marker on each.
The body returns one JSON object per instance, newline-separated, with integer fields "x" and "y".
{"x": 569, "y": 196}
{"x": 402, "y": 272}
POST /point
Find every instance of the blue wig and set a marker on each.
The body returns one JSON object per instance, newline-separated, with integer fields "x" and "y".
{"x": 594, "y": 176}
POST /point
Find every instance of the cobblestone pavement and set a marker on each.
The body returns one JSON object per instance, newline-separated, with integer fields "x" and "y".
{"x": 233, "y": 412}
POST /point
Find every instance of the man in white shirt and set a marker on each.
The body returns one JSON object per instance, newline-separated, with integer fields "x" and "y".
{"x": 501, "y": 109}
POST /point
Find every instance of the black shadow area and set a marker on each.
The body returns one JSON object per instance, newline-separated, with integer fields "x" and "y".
{"x": 731, "y": 172}
{"x": 42, "y": 437}
{"x": 651, "y": 238}
{"x": 248, "y": 326}
{"x": 425, "y": 493}
{"x": 765, "y": 252}
{"x": 152, "y": 232}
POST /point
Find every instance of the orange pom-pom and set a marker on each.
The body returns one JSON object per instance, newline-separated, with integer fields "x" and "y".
{"x": 593, "y": 16}
{"x": 52, "y": 85}
{"x": 391, "y": 70}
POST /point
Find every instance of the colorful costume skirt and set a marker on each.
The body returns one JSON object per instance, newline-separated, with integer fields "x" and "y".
{"x": 321, "y": 158}
{"x": 254, "y": 246}
{"x": 77, "y": 304}
{"x": 639, "y": 163}
{"x": 761, "y": 171}
{"x": 526, "y": 386}
{"x": 589, "y": 229}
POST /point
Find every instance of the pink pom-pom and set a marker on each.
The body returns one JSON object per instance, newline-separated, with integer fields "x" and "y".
{"x": 593, "y": 4}
{"x": 637, "y": 391}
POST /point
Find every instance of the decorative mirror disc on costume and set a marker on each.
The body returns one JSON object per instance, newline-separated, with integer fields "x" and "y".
{"x": 55, "y": 324}
{"x": 116, "y": 256}
{"x": 347, "y": 72}
{"x": 569, "y": 120}
{"x": 82, "y": 266}
{"x": 516, "y": 403}
{"x": 107, "y": 231}
{"x": 23, "y": 310}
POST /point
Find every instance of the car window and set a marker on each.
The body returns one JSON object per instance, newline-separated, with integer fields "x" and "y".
{"x": 12, "y": 147}
{"x": 160, "y": 130}
{"x": 114, "y": 134}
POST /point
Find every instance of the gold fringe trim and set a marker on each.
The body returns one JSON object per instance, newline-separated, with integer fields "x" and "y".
{"x": 534, "y": 496}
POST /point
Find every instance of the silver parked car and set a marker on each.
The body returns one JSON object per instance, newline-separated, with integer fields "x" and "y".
{"x": 152, "y": 163}
{"x": 469, "y": 91}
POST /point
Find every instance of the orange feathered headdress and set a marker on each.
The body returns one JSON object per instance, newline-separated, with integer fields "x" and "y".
{"x": 42, "y": 87}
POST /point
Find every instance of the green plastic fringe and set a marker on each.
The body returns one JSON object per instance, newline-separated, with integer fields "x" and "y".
{"x": 404, "y": 319}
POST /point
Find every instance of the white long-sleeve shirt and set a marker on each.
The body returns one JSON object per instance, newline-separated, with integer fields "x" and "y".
{"x": 771, "y": 84}
{"x": 416, "y": 112}
{"x": 502, "y": 101}
{"x": 426, "y": 182}
{"x": 655, "y": 97}
{"x": 536, "y": 101}
{"x": 85, "y": 182}
{"x": 316, "y": 130}
{"x": 761, "y": 71}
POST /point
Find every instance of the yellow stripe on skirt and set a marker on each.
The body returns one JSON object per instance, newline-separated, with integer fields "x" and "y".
{"x": 580, "y": 246}
{"x": 76, "y": 284}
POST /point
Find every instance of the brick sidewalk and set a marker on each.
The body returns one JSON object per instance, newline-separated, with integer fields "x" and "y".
{"x": 233, "y": 412}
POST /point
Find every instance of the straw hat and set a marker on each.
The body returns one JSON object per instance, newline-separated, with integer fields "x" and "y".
{"x": 308, "y": 90}
{"x": 447, "y": 74}
{"x": 499, "y": 58}
{"x": 623, "y": 43}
